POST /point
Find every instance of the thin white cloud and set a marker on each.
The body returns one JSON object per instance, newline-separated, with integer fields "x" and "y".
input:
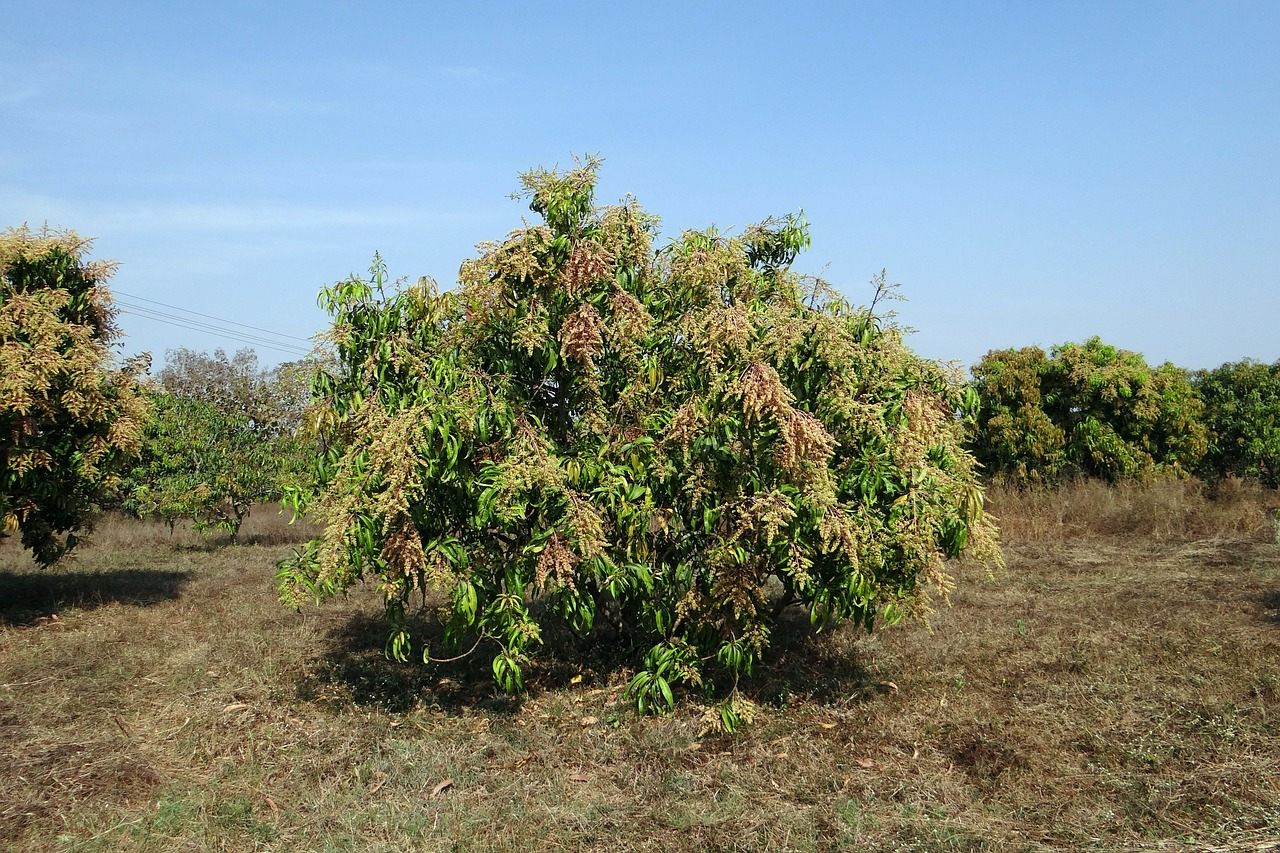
{"x": 390, "y": 73}
{"x": 18, "y": 206}
{"x": 24, "y": 82}
{"x": 257, "y": 104}
{"x": 462, "y": 71}
{"x": 21, "y": 95}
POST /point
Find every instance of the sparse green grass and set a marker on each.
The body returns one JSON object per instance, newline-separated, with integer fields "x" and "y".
{"x": 1104, "y": 692}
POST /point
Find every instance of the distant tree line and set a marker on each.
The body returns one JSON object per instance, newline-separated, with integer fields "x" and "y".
{"x": 210, "y": 436}
{"x": 1094, "y": 410}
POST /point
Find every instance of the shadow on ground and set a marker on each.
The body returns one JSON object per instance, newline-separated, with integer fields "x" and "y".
{"x": 799, "y": 665}
{"x": 1270, "y": 602}
{"x": 28, "y": 596}
{"x": 214, "y": 542}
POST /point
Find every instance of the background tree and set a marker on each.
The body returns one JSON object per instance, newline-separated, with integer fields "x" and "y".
{"x": 1242, "y": 413}
{"x": 1087, "y": 409}
{"x": 225, "y": 436}
{"x": 683, "y": 441}
{"x": 68, "y": 419}
{"x": 273, "y": 400}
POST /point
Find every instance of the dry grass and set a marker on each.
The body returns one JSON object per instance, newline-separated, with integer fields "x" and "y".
{"x": 1108, "y": 691}
{"x": 1164, "y": 511}
{"x": 267, "y": 524}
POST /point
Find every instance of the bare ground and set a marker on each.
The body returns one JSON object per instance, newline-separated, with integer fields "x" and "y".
{"x": 1117, "y": 687}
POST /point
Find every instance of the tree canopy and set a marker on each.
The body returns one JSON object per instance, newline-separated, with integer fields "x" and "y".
{"x": 682, "y": 439}
{"x": 1242, "y": 413}
{"x": 69, "y": 419}
{"x": 224, "y": 436}
{"x": 1088, "y": 409}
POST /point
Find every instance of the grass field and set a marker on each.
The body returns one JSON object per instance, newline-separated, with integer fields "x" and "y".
{"x": 1117, "y": 687}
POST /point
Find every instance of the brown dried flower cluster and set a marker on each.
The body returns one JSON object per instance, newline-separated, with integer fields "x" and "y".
{"x": 556, "y": 562}
{"x": 582, "y": 335}
{"x": 630, "y": 321}
{"x": 589, "y": 264}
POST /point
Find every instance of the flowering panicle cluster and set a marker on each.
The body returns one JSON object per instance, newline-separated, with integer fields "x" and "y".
{"x": 528, "y": 469}
{"x": 533, "y": 328}
{"x": 839, "y": 534}
{"x": 556, "y": 563}
{"x": 589, "y": 264}
{"x": 521, "y": 259}
{"x": 402, "y": 550}
{"x": 687, "y": 423}
{"x": 762, "y": 392}
{"x": 707, "y": 266}
{"x": 627, "y": 232}
{"x": 582, "y": 335}
{"x": 805, "y": 443}
{"x": 629, "y": 322}
{"x": 587, "y": 527}
{"x": 737, "y": 588}
{"x": 718, "y": 332}
{"x": 767, "y": 515}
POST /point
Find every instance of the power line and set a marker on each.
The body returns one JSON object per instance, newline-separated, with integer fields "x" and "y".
{"x": 211, "y": 330}
{"x": 211, "y": 327}
{"x": 205, "y": 327}
{"x": 251, "y": 343}
{"x": 209, "y": 316}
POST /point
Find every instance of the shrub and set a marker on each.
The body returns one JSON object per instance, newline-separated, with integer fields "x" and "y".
{"x": 1242, "y": 413}
{"x": 68, "y": 420}
{"x": 1087, "y": 409}
{"x": 683, "y": 440}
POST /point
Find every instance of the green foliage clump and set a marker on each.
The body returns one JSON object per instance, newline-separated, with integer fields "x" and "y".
{"x": 679, "y": 442}
{"x": 1242, "y": 413}
{"x": 1086, "y": 409}
{"x": 68, "y": 419}
{"x": 224, "y": 435}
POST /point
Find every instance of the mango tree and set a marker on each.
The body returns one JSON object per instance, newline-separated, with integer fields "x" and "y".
{"x": 224, "y": 437}
{"x": 1088, "y": 409}
{"x": 684, "y": 440}
{"x": 69, "y": 418}
{"x": 1242, "y": 413}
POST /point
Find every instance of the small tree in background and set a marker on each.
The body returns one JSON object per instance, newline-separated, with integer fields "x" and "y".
{"x": 68, "y": 420}
{"x": 271, "y": 400}
{"x": 1087, "y": 409}
{"x": 224, "y": 437}
{"x": 1242, "y": 413}
{"x": 682, "y": 441}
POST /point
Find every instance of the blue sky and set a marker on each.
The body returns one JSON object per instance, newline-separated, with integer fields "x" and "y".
{"x": 1030, "y": 172}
